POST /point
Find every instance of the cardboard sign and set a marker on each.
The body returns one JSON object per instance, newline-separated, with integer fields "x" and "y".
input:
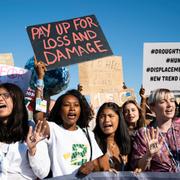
{"x": 161, "y": 68}
{"x": 7, "y": 58}
{"x": 68, "y": 42}
{"x": 15, "y": 75}
{"x": 119, "y": 97}
{"x": 102, "y": 75}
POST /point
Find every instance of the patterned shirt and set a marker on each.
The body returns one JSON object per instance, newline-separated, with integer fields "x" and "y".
{"x": 162, "y": 162}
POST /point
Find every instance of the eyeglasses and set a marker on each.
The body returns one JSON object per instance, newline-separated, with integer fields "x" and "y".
{"x": 5, "y": 95}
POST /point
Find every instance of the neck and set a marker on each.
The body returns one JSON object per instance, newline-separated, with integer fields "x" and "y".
{"x": 132, "y": 126}
{"x": 110, "y": 139}
{"x": 164, "y": 126}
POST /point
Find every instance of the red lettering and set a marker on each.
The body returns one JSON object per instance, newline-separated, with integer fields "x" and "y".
{"x": 75, "y": 37}
{"x": 75, "y": 23}
{"x": 49, "y": 60}
{"x": 90, "y": 22}
{"x": 67, "y": 41}
{"x": 72, "y": 51}
{"x": 49, "y": 43}
{"x": 99, "y": 46}
{"x": 91, "y": 34}
{"x": 60, "y": 55}
{"x": 90, "y": 49}
{"x": 47, "y": 30}
{"x": 34, "y": 32}
{"x": 82, "y": 50}
{"x": 84, "y": 23}
{"x": 59, "y": 29}
{"x": 38, "y": 32}
{"x": 62, "y": 28}
{"x": 66, "y": 26}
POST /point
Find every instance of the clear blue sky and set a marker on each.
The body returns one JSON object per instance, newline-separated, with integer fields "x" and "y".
{"x": 127, "y": 24}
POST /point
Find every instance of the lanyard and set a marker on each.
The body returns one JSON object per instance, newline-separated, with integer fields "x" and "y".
{"x": 167, "y": 147}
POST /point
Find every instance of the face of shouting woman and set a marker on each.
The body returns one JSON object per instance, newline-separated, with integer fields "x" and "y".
{"x": 108, "y": 121}
{"x": 70, "y": 112}
{"x": 6, "y": 104}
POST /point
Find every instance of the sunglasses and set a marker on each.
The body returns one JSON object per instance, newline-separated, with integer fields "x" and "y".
{"x": 5, "y": 95}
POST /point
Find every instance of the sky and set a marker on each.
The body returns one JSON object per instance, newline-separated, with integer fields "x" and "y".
{"x": 127, "y": 25}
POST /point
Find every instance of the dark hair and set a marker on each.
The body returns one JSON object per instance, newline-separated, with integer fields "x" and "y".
{"x": 86, "y": 111}
{"x": 141, "y": 120}
{"x": 122, "y": 137}
{"x": 16, "y": 127}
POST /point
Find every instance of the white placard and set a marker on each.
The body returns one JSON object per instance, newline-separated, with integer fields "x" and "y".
{"x": 161, "y": 66}
{"x": 15, "y": 75}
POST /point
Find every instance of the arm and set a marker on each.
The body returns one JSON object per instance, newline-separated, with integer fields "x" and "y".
{"x": 38, "y": 151}
{"x": 40, "y": 68}
{"x": 99, "y": 164}
{"x": 143, "y": 99}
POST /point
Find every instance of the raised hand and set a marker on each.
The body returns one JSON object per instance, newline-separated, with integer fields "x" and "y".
{"x": 154, "y": 145}
{"x": 35, "y": 136}
{"x": 40, "y": 68}
{"x": 142, "y": 93}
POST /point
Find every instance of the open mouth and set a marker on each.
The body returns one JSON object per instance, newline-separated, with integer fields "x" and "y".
{"x": 107, "y": 125}
{"x": 2, "y": 106}
{"x": 71, "y": 115}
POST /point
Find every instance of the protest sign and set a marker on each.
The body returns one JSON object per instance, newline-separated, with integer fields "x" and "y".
{"x": 102, "y": 75}
{"x": 6, "y": 58}
{"x": 161, "y": 68}
{"x": 15, "y": 75}
{"x": 68, "y": 42}
{"x": 119, "y": 97}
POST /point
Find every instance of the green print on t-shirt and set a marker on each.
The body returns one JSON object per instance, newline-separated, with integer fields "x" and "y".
{"x": 78, "y": 156}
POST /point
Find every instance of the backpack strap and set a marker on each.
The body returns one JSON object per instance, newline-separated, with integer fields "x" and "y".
{"x": 89, "y": 140}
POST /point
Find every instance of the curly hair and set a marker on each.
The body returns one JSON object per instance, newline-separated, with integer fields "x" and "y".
{"x": 122, "y": 137}
{"x": 86, "y": 112}
{"x": 16, "y": 128}
{"x": 141, "y": 120}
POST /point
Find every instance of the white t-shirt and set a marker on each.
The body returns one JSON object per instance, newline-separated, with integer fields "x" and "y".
{"x": 14, "y": 162}
{"x": 68, "y": 150}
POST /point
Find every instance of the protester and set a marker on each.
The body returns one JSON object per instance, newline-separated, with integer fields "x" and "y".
{"x": 157, "y": 148}
{"x": 71, "y": 145}
{"x": 133, "y": 116}
{"x": 147, "y": 113}
{"x": 112, "y": 136}
{"x": 17, "y": 157}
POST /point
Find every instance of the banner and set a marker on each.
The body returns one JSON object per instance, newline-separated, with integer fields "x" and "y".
{"x": 101, "y": 76}
{"x": 68, "y": 42}
{"x": 15, "y": 75}
{"x": 161, "y": 68}
{"x": 124, "y": 176}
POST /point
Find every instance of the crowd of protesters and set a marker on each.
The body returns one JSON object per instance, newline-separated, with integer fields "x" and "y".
{"x": 133, "y": 137}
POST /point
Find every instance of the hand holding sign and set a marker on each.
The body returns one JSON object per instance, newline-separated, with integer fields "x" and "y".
{"x": 55, "y": 80}
{"x": 40, "y": 68}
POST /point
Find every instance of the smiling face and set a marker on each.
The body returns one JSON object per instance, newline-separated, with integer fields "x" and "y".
{"x": 164, "y": 107}
{"x": 108, "y": 121}
{"x": 70, "y": 112}
{"x": 6, "y": 104}
{"x": 131, "y": 113}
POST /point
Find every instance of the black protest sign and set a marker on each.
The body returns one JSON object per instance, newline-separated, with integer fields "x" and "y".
{"x": 68, "y": 42}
